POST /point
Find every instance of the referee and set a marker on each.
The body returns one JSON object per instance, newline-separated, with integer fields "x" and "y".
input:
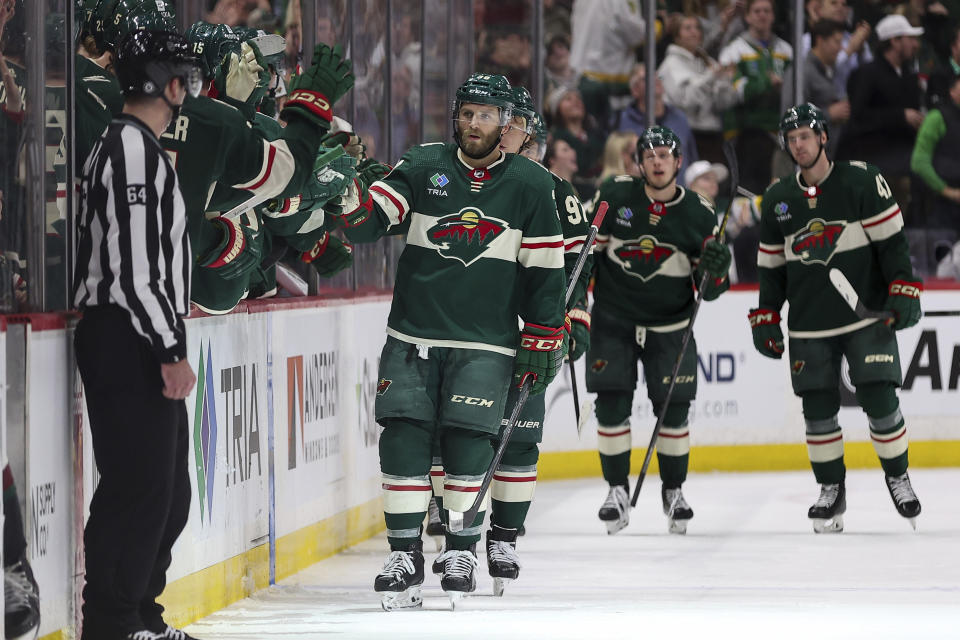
{"x": 132, "y": 282}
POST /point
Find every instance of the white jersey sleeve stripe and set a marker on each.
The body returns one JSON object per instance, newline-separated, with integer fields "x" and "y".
{"x": 390, "y": 202}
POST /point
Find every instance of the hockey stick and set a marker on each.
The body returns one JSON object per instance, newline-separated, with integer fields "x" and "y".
{"x": 456, "y": 519}
{"x": 852, "y": 298}
{"x": 576, "y": 395}
{"x": 729, "y": 153}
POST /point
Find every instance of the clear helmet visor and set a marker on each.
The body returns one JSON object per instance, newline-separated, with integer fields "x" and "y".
{"x": 192, "y": 81}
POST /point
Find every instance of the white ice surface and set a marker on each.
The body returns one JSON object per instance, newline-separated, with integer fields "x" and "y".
{"x": 750, "y": 566}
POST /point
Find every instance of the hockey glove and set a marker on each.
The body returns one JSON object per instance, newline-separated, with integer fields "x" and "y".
{"x": 243, "y": 81}
{"x": 354, "y": 206}
{"x": 329, "y": 256}
{"x": 540, "y": 355}
{"x": 715, "y": 259}
{"x": 904, "y": 301}
{"x": 370, "y": 170}
{"x": 579, "y": 331}
{"x": 767, "y": 336}
{"x": 238, "y": 251}
{"x": 313, "y": 92}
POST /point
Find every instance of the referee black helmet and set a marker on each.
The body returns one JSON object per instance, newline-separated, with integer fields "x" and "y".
{"x": 147, "y": 60}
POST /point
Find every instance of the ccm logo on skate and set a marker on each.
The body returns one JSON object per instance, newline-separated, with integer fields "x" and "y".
{"x": 878, "y": 357}
{"x": 476, "y": 402}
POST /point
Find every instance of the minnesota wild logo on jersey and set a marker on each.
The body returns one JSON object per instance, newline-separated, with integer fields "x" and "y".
{"x": 817, "y": 242}
{"x": 465, "y": 235}
{"x": 642, "y": 258}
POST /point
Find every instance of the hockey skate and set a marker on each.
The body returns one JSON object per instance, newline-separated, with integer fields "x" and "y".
{"x": 904, "y": 499}
{"x": 171, "y": 633}
{"x": 21, "y": 600}
{"x": 676, "y": 509}
{"x": 400, "y": 582}
{"x": 434, "y": 525}
{"x": 502, "y": 561}
{"x": 827, "y": 512}
{"x": 459, "y": 573}
{"x": 615, "y": 511}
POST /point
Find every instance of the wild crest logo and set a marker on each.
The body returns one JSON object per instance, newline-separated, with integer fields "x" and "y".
{"x": 465, "y": 235}
{"x": 817, "y": 242}
{"x": 643, "y": 257}
{"x": 205, "y": 434}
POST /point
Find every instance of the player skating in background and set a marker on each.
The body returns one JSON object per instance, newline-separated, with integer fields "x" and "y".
{"x": 484, "y": 246}
{"x": 837, "y": 215}
{"x": 656, "y": 237}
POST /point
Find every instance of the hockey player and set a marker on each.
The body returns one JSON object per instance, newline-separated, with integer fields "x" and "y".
{"x": 484, "y": 246}
{"x": 657, "y": 237}
{"x": 836, "y": 215}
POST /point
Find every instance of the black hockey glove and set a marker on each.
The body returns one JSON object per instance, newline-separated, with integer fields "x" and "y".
{"x": 540, "y": 355}
{"x": 767, "y": 336}
{"x": 904, "y": 301}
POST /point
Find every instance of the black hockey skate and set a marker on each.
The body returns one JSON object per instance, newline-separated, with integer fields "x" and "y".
{"x": 21, "y": 599}
{"x": 459, "y": 573}
{"x": 615, "y": 511}
{"x": 171, "y": 633}
{"x": 904, "y": 499}
{"x": 676, "y": 509}
{"x": 502, "y": 561}
{"x": 827, "y": 512}
{"x": 434, "y": 525}
{"x": 401, "y": 579}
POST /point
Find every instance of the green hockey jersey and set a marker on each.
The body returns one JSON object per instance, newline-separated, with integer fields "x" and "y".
{"x": 483, "y": 247}
{"x": 648, "y": 252}
{"x": 98, "y": 100}
{"x": 574, "y": 225}
{"x": 849, "y": 221}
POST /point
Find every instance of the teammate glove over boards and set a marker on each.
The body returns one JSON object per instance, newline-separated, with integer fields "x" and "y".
{"x": 237, "y": 252}
{"x": 767, "y": 335}
{"x": 329, "y": 256}
{"x": 540, "y": 355}
{"x": 904, "y": 302}
{"x": 313, "y": 93}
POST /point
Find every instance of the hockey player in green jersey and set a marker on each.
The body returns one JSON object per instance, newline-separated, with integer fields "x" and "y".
{"x": 836, "y": 215}
{"x": 656, "y": 242}
{"x": 484, "y": 246}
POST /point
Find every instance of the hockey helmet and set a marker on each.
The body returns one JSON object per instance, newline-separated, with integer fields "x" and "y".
{"x": 802, "y": 115}
{"x": 485, "y": 88}
{"x": 147, "y": 60}
{"x": 211, "y": 43}
{"x": 523, "y": 107}
{"x": 654, "y": 137}
{"x": 111, "y": 20}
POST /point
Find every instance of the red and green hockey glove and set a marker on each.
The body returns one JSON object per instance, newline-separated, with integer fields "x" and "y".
{"x": 540, "y": 355}
{"x": 329, "y": 256}
{"x": 904, "y": 301}
{"x": 579, "y": 331}
{"x": 313, "y": 92}
{"x": 238, "y": 251}
{"x": 767, "y": 336}
{"x": 715, "y": 259}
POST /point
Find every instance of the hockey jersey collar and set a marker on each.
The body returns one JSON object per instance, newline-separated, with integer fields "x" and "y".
{"x": 680, "y": 193}
{"x": 468, "y": 168}
{"x": 804, "y": 187}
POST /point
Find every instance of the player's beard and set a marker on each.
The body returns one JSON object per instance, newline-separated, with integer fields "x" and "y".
{"x": 481, "y": 148}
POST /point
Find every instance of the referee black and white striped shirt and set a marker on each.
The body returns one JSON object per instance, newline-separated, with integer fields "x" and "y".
{"x": 133, "y": 249}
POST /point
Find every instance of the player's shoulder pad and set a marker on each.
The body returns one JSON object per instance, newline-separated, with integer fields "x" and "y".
{"x": 615, "y": 186}
{"x": 696, "y": 201}
{"x": 429, "y": 155}
{"x": 853, "y": 167}
{"x": 525, "y": 169}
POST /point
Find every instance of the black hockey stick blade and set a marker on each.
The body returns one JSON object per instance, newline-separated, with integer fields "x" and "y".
{"x": 456, "y": 520}
{"x": 852, "y": 298}
{"x": 576, "y": 396}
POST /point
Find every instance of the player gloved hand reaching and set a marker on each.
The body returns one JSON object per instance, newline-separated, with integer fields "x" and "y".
{"x": 904, "y": 302}
{"x": 540, "y": 354}
{"x": 579, "y": 319}
{"x": 329, "y": 256}
{"x": 238, "y": 251}
{"x": 767, "y": 336}
{"x": 244, "y": 79}
{"x": 313, "y": 92}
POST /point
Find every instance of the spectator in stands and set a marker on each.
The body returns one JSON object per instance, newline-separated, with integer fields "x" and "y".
{"x": 557, "y": 71}
{"x": 853, "y": 51}
{"x": 819, "y": 69}
{"x": 572, "y": 125}
{"x": 936, "y": 160}
{"x": 948, "y": 69}
{"x": 634, "y": 117}
{"x": 761, "y": 59}
{"x": 619, "y": 156}
{"x": 694, "y": 83}
{"x": 705, "y": 177}
{"x": 605, "y": 35}
{"x": 885, "y": 98}
{"x": 722, "y": 25}
{"x": 948, "y": 261}
{"x": 561, "y": 159}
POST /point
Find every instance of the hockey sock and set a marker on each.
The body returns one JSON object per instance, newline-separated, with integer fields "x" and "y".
{"x": 513, "y": 485}
{"x": 824, "y": 437}
{"x": 405, "y": 468}
{"x": 887, "y": 429}
{"x": 673, "y": 445}
{"x": 14, "y": 542}
{"x": 436, "y": 478}
{"x": 466, "y": 457}
{"x": 613, "y": 435}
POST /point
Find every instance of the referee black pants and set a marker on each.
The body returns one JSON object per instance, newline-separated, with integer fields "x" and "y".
{"x": 140, "y": 506}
